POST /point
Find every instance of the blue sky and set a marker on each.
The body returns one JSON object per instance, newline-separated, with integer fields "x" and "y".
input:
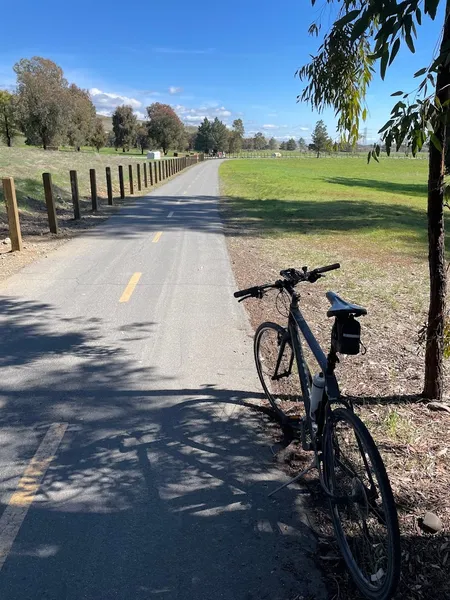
{"x": 227, "y": 59}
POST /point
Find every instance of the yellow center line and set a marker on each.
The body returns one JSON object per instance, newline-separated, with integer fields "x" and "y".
{"x": 130, "y": 287}
{"x": 14, "y": 514}
{"x": 157, "y": 236}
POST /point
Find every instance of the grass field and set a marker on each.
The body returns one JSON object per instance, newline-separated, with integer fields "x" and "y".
{"x": 26, "y": 165}
{"x": 338, "y": 201}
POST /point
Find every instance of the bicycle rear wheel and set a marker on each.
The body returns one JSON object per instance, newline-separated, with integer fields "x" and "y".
{"x": 366, "y": 524}
{"x": 278, "y": 372}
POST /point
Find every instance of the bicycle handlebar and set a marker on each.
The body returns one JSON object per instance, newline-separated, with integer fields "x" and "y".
{"x": 291, "y": 278}
{"x": 332, "y": 267}
{"x": 247, "y": 292}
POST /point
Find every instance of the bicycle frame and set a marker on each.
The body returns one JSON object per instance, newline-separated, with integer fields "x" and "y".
{"x": 327, "y": 364}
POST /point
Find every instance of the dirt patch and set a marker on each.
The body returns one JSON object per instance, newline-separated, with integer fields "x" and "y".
{"x": 384, "y": 383}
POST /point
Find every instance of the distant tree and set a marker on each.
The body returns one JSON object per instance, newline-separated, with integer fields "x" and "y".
{"x": 42, "y": 100}
{"x": 238, "y": 127}
{"x": 164, "y": 126}
{"x": 320, "y": 138}
{"x": 203, "y": 141}
{"x": 142, "y": 138}
{"x": 81, "y": 116}
{"x": 260, "y": 141}
{"x": 283, "y": 146}
{"x": 273, "y": 144}
{"x": 8, "y": 117}
{"x": 98, "y": 137}
{"x": 124, "y": 126}
{"x": 291, "y": 145}
{"x": 302, "y": 145}
{"x": 190, "y": 139}
{"x": 236, "y": 135}
{"x": 111, "y": 140}
{"x": 219, "y": 136}
{"x": 248, "y": 143}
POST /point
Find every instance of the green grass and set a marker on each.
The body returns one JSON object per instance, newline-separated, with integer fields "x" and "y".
{"x": 332, "y": 202}
{"x": 26, "y": 165}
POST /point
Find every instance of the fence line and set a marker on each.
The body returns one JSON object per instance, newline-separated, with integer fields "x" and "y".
{"x": 163, "y": 169}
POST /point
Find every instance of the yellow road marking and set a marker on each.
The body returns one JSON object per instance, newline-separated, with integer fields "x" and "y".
{"x": 130, "y": 287}
{"x": 157, "y": 236}
{"x": 14, "y": 514}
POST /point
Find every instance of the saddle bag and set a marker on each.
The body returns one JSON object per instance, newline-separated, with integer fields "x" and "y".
{"x": 346, "y": 335}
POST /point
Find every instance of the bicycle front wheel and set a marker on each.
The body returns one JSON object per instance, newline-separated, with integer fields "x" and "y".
{"x": 363, "y": 510}
{"x": 277, "y": 370}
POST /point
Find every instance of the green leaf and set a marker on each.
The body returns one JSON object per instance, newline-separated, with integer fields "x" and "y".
{"x": 409, "y": 42}
{"x": 394, "y": 51}
{"x": 374, "y": 156}
{"x": 384, "y": 64}
{"x": 377, "y": 149}
{"x": 386, "y": 125}
{"x": 420, "y": 72}
{"x": 431, "y": 7}
{"x": 360, "y": 26}
{"x": 369, "y": 157}
{"x": 364, "y": 114}
{"x": 436, "y": 142}
{"x": 399, "y": 93}
{"x": 419, "y": 16}
{"x": 350, "y": 16}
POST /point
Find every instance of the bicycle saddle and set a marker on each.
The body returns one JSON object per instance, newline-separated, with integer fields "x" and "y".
{"x": 340, "y": 307}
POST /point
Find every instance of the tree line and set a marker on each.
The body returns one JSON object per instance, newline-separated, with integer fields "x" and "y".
{"x": 49, "y": 111}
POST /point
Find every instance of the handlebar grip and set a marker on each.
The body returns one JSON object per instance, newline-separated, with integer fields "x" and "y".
{"x": 249, "y": 291}
{"x": 328, "y": 268}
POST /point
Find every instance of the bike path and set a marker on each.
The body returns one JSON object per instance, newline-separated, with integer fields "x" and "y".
{"x": 146, "y": 476}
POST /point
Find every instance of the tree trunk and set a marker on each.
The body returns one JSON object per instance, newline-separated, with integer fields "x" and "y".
{"x": 434, "y": 353}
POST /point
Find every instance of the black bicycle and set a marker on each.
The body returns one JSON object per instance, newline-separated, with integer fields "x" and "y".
{"x": 351, "y": 471}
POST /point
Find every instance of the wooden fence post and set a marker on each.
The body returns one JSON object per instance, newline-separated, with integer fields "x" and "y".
{"x": 15, "y": 235}
{"x": 145, "y": 175}
{"x": 109, "y": 186}
{"x": 139, "y": 177}
{"x": 93, "y": 190}
{"x": 122, "y": 188}
{"x": 130, "y": 176}
{"x": 75, "y": 195}
{"x": 159, "y": 169}
{"x": 150, "y": 173}
{"x": 156, "y": 172}
{"x": 50, "y": 202}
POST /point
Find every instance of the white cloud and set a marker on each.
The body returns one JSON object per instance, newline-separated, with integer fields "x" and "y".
{"x": 304, "y": 128}
{"x": 175, "y": 90}
{"x": 270, "y": 126}
{"x": 196, "y": 115}
{"x": 106, "y": 102}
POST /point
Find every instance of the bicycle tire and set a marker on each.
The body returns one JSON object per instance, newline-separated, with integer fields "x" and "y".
{"x": 285, "y": 395}
{"x": 380, "y": 582}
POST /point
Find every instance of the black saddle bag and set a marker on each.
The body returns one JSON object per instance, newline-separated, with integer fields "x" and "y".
{"x": 346, "y": 335}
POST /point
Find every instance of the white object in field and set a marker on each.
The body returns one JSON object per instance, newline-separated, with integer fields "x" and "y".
{"x": 154, "y": 155}
{"x": 276, "y": 155}
{"x": 318, "y": 383}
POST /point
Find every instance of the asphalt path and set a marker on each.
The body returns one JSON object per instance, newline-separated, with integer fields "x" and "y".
{"x": 130, "y": 466}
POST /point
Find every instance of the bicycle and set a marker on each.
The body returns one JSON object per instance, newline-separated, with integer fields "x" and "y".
{"x": 351, "y": 471}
